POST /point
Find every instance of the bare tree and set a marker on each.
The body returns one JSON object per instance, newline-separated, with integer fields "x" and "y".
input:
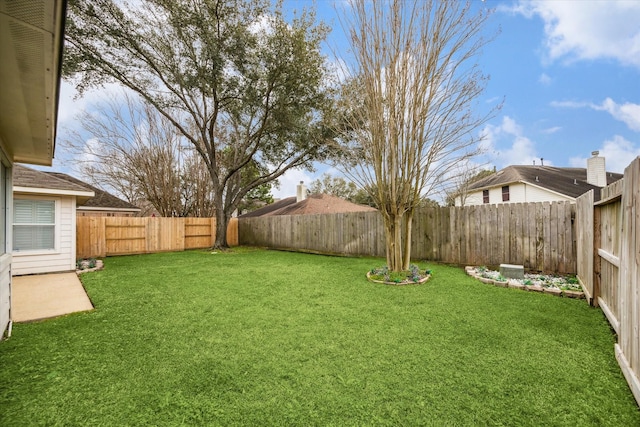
{"x": 414, "y": 81}
{"x": 137, "y": 153}
{"x": 466, "y": 175}
{"x": 237, "y": 81}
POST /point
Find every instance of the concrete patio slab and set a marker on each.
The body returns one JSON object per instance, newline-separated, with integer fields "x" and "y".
{"x": 43, "y": 296}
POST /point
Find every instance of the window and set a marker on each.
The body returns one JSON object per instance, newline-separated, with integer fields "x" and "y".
{"x": 505, "y": 193}
{"x": 3, "y": 207}
{"x": 34, "y": 224}
{"x": 485, "y": 196}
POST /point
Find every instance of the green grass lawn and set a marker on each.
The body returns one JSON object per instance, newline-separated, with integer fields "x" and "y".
{"x": 255, "y": 337}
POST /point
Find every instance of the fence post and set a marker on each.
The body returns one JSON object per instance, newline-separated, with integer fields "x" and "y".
{"x": 597, "y": 261}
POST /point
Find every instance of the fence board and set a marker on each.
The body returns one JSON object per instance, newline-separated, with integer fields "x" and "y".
{"x": 106, "y": 236}
{"x": 628, "y": 347}
{"x": 608, "y": 251}
{"x": 584, "y": 224}
{"x": 472, "y": 235}
{"x": 90, "y": 238}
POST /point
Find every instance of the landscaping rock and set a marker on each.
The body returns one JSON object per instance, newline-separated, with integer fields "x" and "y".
{"x": 549, "y": 284}
{"x": 501, "y": 284}
{"x": 573, "y": 294}
{"x": 515, "y": 284}
{"x": 553, "y": 291}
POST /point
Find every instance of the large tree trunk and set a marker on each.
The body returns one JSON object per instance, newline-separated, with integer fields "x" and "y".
{"x": 221, "y": 227}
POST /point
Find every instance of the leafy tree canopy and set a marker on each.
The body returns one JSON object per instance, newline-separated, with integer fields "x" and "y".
{"x": 241, "y": 84}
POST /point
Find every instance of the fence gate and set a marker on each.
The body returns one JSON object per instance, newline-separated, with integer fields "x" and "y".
{"x": 608, "y": 240}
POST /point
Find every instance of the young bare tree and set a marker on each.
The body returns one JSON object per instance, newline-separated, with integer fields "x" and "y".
{"x": 237, "y": 81}
{"x": 414, "y": 81}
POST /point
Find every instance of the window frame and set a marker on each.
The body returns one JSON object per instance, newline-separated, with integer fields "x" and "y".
{"x": 505, "y": 193}
{"x": 6, "y": 201}
{"x": 56, "y": 225}
{"x": 485, "y": 196}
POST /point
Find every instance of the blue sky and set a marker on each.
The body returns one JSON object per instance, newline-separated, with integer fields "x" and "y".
{"x": 568, "y": 71}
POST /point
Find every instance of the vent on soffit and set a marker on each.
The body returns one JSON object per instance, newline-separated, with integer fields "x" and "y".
{"x": 30, "y": 12}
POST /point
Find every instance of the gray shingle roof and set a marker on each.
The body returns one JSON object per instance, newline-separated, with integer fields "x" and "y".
{"x": 571, "y": 182}
{"x": 314, "y": 204}
{"x": 27, "y": 177}
{"x": 266, "y": 210}
{"x": 102, "y": 199}
{"x": 31, "y": 178}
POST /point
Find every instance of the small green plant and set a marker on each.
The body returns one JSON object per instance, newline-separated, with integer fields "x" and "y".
{"x": 79, "y": 265}
{"x": 92, "y": 263}
{"x": 383, "y": 274}
{"x": 414, "y": 273}
{"x": 501, "y": 278}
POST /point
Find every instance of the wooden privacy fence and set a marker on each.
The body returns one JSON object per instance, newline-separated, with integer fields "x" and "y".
{"x": 539, "y": 236}
{"x": 609, "y": 263}
{"x": 106, "y": 236}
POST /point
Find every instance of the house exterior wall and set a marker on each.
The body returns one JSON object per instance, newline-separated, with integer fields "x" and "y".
{"x": 63, "y": 257}
{"x": 518, "y": 193}
{"x": 5, "y": 254}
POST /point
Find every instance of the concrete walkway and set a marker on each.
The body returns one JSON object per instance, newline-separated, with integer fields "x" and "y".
{"x": 42, "y": 296}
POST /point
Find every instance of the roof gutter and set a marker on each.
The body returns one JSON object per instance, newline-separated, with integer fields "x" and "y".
{"x": 63, "y": 23}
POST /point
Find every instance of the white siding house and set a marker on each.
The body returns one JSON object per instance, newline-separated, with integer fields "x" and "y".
{"x": 44, "y": 222}
{"x": 519, "y": 192}
{"x": 526, "y": 184}
{"x": 30, "y": 52}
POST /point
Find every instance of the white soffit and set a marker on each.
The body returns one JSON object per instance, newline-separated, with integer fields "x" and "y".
{"x": 31, "y": 33}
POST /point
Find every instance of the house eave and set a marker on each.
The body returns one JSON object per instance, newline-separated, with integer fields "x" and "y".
{"x": 502, "y": 184}
{"x": 524, "y": 182}
{"x": 32, "y": 34}
{"x": 54, "y": 192}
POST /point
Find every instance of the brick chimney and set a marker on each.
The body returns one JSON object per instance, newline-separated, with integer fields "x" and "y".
{"x": 596, "y": 172}
{"x": 301, "y": 192}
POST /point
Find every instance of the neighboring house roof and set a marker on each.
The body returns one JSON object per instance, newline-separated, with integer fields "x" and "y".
{"x": 268, "y": 209}
{"x": 27, "y": 180}
{"x": 102, "y": 200}
{"x": 571, "y": 182}
{"x": 314, "y": 204}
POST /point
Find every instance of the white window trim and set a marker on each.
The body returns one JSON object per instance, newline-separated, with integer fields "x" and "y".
{"x": 56, "y": 226}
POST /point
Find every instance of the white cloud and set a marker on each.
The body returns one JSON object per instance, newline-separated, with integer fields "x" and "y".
{"x": 628, "y": 113}
{"x": 570, "y": 104}
{"x": 544, "y": 79}
{"x": 289, "y": 182}
{"x": 618, "y": 153}
{"x": 552, "y": 130}
{"x": 69, "y": 108}
{"x": 521, "y": 150}
{"x": 587, "y": 30}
